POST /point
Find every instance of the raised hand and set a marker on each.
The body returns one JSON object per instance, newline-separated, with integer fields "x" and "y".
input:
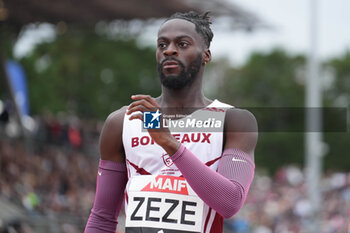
{"x": 162, "y": 136}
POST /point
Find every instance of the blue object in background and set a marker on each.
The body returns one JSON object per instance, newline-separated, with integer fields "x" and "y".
{"x": 18, "y": 83}
{"x": 237, "y": 225}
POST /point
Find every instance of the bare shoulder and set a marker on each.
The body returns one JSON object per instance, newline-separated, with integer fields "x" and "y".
{"x": 241, "y": 130}
{"x": 111, "y": 143}
{"x": 117, "y": 116}
{"x": 240, "y": 120}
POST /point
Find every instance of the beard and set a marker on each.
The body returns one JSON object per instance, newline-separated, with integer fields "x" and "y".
{"x": 185, "y": 78}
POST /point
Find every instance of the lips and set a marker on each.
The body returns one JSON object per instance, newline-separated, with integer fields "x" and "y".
{"x": 170, "y": 64}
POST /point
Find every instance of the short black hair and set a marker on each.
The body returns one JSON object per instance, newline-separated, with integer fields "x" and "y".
{"x": 201, "y": 21}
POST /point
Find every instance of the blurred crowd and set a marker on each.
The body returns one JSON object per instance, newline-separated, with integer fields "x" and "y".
{"x": 48, "y": 181}
{"x": 279, "y": 204}
{"x": 56, "y": 174}
{"x": 65, "y": 130}
{"x": 52, "y": 171}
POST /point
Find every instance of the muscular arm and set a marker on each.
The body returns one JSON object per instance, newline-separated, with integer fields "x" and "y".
{"x": 241, "y": 131}
{"x": 111, "y": 142}
{"x": 111, "y": 177}
{"x": 224, "y": 190}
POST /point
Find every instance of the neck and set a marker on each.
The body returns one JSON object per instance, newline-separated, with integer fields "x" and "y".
{"x": 189, "y": 96}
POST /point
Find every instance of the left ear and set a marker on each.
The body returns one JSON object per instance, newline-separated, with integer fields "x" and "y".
{"x": 206, "y": 56}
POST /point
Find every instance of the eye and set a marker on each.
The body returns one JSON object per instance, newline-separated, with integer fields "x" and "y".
{"x": 162, "y": 45}
{"x": 183, "y": 44}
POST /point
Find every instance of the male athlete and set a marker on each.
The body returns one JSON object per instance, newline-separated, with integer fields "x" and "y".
{"x": 174, "y": 181}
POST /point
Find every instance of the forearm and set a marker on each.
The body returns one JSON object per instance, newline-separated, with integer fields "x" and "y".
{"x": 111, "y": 181}
{"x": 225, "y": 191}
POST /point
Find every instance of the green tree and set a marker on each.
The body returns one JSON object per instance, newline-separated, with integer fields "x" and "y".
{"x": 274, "y": 79}
{"x": 277, "y": 79}
{"x": 7, "y": 39}
{"x": 338, "y": 95}
{"x": 88, "y": 75}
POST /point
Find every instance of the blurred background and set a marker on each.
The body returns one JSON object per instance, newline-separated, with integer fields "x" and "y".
{"x": 65, "y": 65}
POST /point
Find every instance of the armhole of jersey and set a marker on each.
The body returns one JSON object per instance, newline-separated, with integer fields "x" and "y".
{"x": 218, "y": 104}
{"x": 126, "y": 125}
{"x": 123, "y": 131}
{"x": 124, "y": 138}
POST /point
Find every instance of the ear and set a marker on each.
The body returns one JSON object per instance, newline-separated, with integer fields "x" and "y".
{"x": 206, "y": 56}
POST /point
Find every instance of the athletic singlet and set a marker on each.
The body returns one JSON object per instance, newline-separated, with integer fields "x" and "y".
{"x": 157, "y": 198}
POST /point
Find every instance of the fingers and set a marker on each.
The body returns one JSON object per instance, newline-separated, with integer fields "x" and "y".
{"x": 136, "y": 116}
{"x": 147, "y": 98}
{"x": 142, "y": 103}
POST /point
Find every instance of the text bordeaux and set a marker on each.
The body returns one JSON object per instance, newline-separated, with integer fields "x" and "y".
{"x": 188, "y": 137}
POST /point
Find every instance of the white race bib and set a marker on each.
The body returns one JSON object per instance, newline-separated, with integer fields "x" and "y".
{"x": 164, "y": 202}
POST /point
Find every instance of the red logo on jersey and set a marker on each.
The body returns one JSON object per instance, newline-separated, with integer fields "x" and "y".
{"x": 213, "y": 109}
{"x": 167, "y": 160}
{"x": 167, "y": 184}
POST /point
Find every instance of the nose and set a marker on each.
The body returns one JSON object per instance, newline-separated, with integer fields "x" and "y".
{"x": 170, "y": 51}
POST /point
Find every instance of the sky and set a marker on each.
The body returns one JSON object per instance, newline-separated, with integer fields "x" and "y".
{"x": 290, "y": 29}
{"x": 290, "y": 21}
